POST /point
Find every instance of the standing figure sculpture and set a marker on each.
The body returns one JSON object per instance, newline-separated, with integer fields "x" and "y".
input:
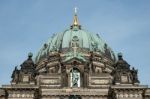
{"x": 15, "y": 75}
{"x": 134, "y": 74}
{"x": 86, "y": 74}
{"x": 75, "y": 78}
{"x": 64, "y": 76}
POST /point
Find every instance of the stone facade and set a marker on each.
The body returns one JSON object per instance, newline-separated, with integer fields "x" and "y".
{"x": 75, "y": 72}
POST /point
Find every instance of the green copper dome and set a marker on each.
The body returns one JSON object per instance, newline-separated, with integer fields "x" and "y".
{"x": 74, "y": 37}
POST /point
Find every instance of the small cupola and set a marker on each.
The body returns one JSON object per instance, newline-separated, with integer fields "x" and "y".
{"x": 26, "y": 75}
{"x": 123, "y": 74}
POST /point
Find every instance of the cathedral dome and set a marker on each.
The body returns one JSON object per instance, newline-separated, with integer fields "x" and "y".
{"x": 75, "y": 36}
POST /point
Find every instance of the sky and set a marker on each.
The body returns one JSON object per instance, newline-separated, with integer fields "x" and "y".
{"x": 25, "y": 25}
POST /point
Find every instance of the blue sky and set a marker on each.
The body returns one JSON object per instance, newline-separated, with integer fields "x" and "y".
{"x": 26, "y": 24}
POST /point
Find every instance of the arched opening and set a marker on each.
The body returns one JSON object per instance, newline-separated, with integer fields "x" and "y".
{"x": 75, "y": 79}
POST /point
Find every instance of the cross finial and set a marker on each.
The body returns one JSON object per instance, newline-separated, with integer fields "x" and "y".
{"x": 75, "y": 10}
{"x": 75, "y": 19}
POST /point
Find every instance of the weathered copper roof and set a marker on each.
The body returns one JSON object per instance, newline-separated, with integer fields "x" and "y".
{"x": 85, "y": 39}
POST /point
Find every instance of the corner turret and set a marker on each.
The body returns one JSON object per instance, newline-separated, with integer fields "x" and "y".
{"x": 122, "y": 72}
{"x": 26, "y": 75}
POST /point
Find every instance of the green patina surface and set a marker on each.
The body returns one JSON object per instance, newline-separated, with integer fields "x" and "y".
{"x": 72, "y": 55}
{"x": 62, "y": 40}
{"x": 73, "y": 38}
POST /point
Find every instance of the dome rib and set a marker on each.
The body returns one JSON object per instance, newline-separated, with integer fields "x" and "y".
{"x": 87, "y": 40}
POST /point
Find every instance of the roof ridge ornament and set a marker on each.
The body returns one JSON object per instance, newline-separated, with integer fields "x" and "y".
{"x": 75, "y": 20}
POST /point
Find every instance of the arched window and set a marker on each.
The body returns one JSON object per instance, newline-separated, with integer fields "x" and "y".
{"x": 75, "y": 77}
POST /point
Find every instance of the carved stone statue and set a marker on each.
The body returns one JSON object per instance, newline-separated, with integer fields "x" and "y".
{"x": 107, "y": 51}
{"x": 94, "y": 45}
{"x": 15, "y": 75}
{"x": 134, "y": 74}
{"x": 93, "y": 67}
{"x": 56, "y": 68}
{"x": 75, "y": 78}
{"x": 86, "y": 74}
{"x": 64, "y": 76}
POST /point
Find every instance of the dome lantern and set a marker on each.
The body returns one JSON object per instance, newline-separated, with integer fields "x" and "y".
{"x": 75, "y": 20}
